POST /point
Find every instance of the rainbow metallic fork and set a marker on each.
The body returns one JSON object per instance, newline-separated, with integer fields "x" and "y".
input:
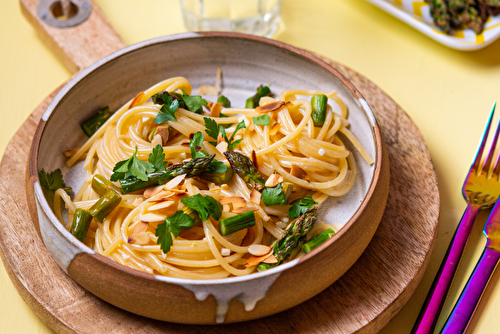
{"x": 481, "y": 190}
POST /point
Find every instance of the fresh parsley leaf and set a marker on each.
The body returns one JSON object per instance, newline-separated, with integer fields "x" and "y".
{"x": 261, "y": 120}
{"x": 211, "y": 128}
{"x": 157, "y": 158}
{"x": 173, "y": 225}
{"x": 132, "y": 166}
{"x": 52, "y": 181}
{"x": 273, "y": 195}
{"x": 194, "y": 103}
{"x": 216, "y": 167}
{"x": 196, "y": 144}
{"x": 231, "y": 145}
{"x": 167, "y": 111}
{"x": 300, "y": 206}
{"x": 206, "y": 206}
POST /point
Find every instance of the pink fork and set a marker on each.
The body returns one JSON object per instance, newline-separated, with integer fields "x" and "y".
{"x": 481, "y": 190}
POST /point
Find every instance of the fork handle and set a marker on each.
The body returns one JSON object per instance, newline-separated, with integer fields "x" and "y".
{"x": 429, "y": 314}
{"x": 464, "y": 309}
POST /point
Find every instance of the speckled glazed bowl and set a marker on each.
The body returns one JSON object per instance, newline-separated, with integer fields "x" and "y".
{"x": 246, "y": 62}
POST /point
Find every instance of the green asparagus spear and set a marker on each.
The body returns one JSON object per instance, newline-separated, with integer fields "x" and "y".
{"x": 81, "y": 224}
{"x": 192, "y": 167}
{"x": 224, "y": 101}
{"x": 245, "y": 168}
{"x": 91, "y": 125}
{"x": 439, "y": 12}
{"x": 105, "y": 205}
{"x": 318, "y": 105}
{"x": 101, "y": 185}
{"x": 235, "y": 223}
{"x": 253, "y": 101}
{"x": 293, "y": 238}
{"x": 218, "y": 178}
{"x": 318, "y": 240}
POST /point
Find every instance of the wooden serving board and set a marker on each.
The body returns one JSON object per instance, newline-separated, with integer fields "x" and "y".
{"x": 361, "y": 301}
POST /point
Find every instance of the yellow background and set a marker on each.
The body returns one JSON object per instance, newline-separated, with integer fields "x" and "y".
{"x": 447, "y": 93}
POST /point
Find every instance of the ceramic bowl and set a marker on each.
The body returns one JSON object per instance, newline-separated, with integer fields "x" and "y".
{"x": 246, "y": 62}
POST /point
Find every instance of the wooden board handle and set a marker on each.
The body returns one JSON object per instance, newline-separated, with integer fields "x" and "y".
{"x": 79, "y": 46}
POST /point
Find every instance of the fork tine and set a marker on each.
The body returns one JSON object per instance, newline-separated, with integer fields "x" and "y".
{"x": 484, "y": 138}
{"x": 488, "y": 163}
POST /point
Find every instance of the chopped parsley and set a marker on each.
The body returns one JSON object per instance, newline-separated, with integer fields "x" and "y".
{"x": 300, "y": 206}
{"x": 173, "y": 225}
{"x": 261, "y": 120}
{"x": 213, "y": 129}
{"x": 52, "y": 181}
{"x": 138, "y": 168}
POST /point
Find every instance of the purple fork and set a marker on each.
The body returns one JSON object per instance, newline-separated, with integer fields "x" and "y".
{"x": 481, "y": 191}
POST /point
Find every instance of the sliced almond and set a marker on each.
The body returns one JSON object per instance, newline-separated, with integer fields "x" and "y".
{"x": 215, "y": 109}
{"x": 174, "y": 182}
{"x": 161, "y": 205}
{"x": 255, "y": 196}
{"x": 164, "y": 132}
{"x": 150, "y": 192}
{"x": 156, "y": 141}
{"x": 225, "y": 187}
{"x": 207, "y": 90}
{"x": 299, "y": 173}
{"x": 140, "y": 227}
{"x": 245, "y": 209}
{"x": 221, "y": 147}
{"x": 236, "y": 201}
{"x": 141, "y": 238}
{"x": 273, "y": 106}
{"x": 152, "y": 217}
{"x": 137, "y": 100}
{"x": 274, "y": 180}
{"x": 259, "y": 250}
{"x": 138, "y": 201}
{"x": 254, "y": 159}
{"x": 274, "y": 130}
{"x": 271, "y": 260}
{"x": 255, "y": 260}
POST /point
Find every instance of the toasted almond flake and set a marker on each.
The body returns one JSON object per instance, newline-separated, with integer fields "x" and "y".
{"x": 174, "y": 182}
{"x": 156, "y": 141}
{"x": 207, "y": 90}
{"x": 151, "y": 191}
{"x": 259, "y": 250}
{"x": 271, "y": 260}
{"x": 225, "y": 187}
{"x": 226, "y": 207}
{"x": 321, "y": 151}
{"x": 221, "y": 147}
{"x": 215, "y": 109}
{"x": 255, "y": 260}
{"x": 255, "y": 196}
{"x": 140, "y": 227}
{"x": 161, "y": 205}
{"x": 141, "y": 238}
{"x": 274, "y": 130}
{"x": 69, "y": 153}
{"x": 220, "y": 138}
{"x": 164, "y": 132}
{"x": 299, "y": 173}
{"x": 242, "y": 210}
{"x": 254, "y": 159}
{"x": 274, "y": 180}
{"x": 273, "y": 106}
{"x": 152, "y": 217}
{"x": 138, "y": 201}
{"x": 236, "y": 201}
{"x": 225, "y": 252}
{"x": 137, "y": 100}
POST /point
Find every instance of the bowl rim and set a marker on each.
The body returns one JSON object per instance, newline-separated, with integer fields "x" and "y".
{"x": 306, "y": 55}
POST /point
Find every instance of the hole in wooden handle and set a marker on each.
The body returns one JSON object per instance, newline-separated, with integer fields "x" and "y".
{"x": 64, "y": 13}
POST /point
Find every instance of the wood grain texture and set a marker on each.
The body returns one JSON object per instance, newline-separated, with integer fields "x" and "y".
{"x": 80, "y": 46}
{"x": 361, "y": 301}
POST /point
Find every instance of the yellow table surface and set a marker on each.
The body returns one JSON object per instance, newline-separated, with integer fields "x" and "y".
{"x": 447, "y": 93}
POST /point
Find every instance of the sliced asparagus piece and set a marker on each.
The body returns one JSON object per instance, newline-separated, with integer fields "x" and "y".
{"x": 101, "y": 185}
{"x": 91, "y": 125}
{"x": 318, "y": 240}
{"x": 245, "y": 168}
{"x": 105, "y": 205}
{"x": 224, "y": 101}
{"x": 81, "y": 224}
{"x": 192, "y": 167}
{"x": 253, "y": 102}
{"x": 318, "y": 105}
{"x": 235, "y": 223}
